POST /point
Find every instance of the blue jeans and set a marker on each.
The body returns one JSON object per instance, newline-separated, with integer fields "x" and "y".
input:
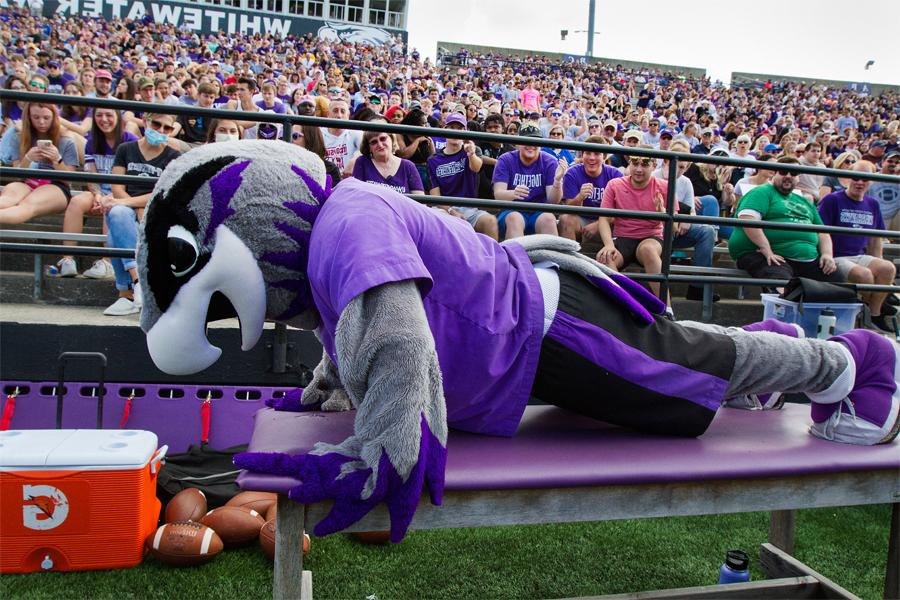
{"x": 123, "y": 229}
{"x": 702, "y": 238}
{"x": 710, "y": 208}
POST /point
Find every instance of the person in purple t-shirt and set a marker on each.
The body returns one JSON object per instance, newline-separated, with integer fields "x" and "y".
{"x": 453, "y": 171}
{"x": 583, "y": 185}
{"x": 379, "y": 165}
{"x": 858, "y": 257}
{"x": 269, "y": 101}
{"x": 528, "y": 175}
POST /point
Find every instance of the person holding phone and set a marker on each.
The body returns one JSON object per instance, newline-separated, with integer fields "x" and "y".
{"x": 39, "y": 145}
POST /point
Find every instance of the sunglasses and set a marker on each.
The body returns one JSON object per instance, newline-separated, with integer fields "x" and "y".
{"x": 644, "y": 162}
{"x": 381, "y": 139}
{"x": 159, "y": 125}
{"x": 849, "y": 163}
{"x": 555, "y": 134}
{"x": 38, "y": 84}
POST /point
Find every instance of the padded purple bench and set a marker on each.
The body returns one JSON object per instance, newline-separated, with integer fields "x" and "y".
{"x": 560, "y": 467}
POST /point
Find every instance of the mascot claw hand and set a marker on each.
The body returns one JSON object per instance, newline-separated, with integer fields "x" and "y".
{"x": 337, "y": 473}
{"x": 311, "y": 398}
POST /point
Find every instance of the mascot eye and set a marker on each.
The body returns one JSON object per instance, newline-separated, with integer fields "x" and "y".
{"x": 183, "y": 250}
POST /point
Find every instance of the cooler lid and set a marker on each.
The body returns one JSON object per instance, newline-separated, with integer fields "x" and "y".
{"x": 52, "y": 448}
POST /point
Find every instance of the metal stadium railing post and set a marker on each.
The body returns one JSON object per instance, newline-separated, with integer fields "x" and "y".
{"x": 668, "y": 230}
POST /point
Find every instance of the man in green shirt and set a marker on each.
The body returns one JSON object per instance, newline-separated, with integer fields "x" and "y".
{"x": 780, "y": 253}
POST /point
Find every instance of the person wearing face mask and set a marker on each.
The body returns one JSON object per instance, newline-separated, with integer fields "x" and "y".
{"x": 147, "y": 157}
{"x": 223, "y": 130}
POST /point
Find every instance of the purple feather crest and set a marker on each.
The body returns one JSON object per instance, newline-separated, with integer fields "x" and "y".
{"x": 223, "y": 188}
{"x": 321, "y": 195}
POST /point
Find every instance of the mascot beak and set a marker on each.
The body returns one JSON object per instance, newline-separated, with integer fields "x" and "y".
{"x": 177, "y": 341}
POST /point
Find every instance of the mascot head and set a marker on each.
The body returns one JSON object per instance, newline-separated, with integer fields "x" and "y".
{"x": 226, "y": 233}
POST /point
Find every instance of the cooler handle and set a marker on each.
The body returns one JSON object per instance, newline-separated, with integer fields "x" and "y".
{"x": 157, "y": 459}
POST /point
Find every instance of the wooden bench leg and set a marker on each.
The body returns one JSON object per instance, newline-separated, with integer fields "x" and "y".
{"x": 290, "y": 580}
{"x": 781, "y": 529}
{"x": 892, "y": 570}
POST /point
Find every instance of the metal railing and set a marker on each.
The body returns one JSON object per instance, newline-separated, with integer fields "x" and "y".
{"x": 670, "y": 217}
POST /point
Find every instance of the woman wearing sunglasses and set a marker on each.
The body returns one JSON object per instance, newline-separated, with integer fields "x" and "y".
{"x": 830, "y": 184}
{"x": 40, "y": 144}
{"x": 379, "y": 165}
{"x": 147, "y": 157}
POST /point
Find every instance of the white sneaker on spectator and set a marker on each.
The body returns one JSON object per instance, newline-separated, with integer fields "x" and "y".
{"x": 101, "y": 269}
{"x": 122, "y": 306}
{"x": 66, "y": 267}
{"x": 138, "y": 296}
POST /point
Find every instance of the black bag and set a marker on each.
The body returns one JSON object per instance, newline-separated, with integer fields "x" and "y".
{"x": 801, "y": 289}
{"x": 210, "y": 471}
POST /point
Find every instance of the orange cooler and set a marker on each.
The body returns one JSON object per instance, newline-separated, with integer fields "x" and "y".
{"x": 76, "y": 499}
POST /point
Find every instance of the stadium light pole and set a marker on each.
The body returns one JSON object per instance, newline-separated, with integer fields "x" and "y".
{"x": 590, "y": 41}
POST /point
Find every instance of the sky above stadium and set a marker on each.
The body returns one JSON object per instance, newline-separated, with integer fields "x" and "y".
{"x": 810, "y": 38}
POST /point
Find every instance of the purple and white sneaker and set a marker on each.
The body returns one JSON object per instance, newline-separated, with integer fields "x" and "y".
{"x": 773, "y": 400}
{"x": 870, "y": 413}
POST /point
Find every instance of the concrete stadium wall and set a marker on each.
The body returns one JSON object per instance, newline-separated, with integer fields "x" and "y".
{"x": 874, "y": 88}
{"x": 454, "y": 47}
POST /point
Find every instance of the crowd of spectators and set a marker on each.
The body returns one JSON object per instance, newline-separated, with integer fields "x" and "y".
{"x": 521, "y": 95}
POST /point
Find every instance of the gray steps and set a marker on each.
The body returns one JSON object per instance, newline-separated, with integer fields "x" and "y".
{"x": 17, "y": 287}
{"x": 51, "y": 223}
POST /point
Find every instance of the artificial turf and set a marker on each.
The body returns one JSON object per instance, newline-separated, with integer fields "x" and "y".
{"x": 848, "y": 545}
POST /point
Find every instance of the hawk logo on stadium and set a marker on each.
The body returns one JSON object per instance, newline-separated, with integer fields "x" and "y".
{"x": 45, "y": 507}
{"x": 357, "y": 34}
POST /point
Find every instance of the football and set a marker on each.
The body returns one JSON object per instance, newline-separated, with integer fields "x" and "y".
{"x": 258, "y": 501}
{"x": 267, "y": 540}
{"x": 235, "y": 525}
{"x": 185, "y": 544}
{"x": 372, "y": 537}
{"x": 187, "y": 505}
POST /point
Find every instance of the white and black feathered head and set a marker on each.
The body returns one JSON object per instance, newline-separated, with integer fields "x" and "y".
{"x": 226, "y": 233}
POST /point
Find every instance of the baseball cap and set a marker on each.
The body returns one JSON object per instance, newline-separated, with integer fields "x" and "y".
{"x": 769, "y": 148}
{"x": 267, "y": 131}
{"x": 556, "y": 112}
{"x": 144, "y": 82}
{"x": 892, "y": 154}
{"x": 102, "y": 74}
{"x": 633, "y": 133}
{"x": 707, "y": 131}
{"x": 52, "y": 64}
{"x": 878, "y": 144}
{"x": 456, "y": 117}
{"x": 719, "y": 152}
{"x": 610, "y": 123}
{"x": 530, "y": 131}
{"x": 666, "y": 132}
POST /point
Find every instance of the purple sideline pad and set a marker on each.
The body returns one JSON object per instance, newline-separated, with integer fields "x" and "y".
{"x": 176, "y": 421}
{"x": 555, "y": 448}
